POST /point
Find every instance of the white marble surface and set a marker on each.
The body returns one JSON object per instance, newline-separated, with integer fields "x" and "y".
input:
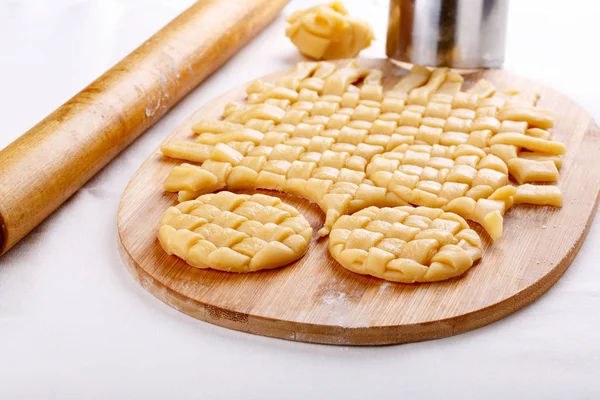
{"x": 74, "y": 324}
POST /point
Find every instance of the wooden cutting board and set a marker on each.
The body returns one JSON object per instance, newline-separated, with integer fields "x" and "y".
{"x": 316, "y": 300}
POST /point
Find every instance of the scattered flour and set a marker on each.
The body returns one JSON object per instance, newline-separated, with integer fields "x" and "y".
{"x": 151, "y": 111}
{"x": 334, "y": 298}
{"x": 383, "y": 287}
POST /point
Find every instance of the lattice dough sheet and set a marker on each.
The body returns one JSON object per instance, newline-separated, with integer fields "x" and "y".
{"x": 405, "y": 244}
{"x": 335, "y": 137}
{"x": 235, "y": 232}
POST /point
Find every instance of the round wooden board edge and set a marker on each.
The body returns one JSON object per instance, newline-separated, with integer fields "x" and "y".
{"x": 338, "y": 335}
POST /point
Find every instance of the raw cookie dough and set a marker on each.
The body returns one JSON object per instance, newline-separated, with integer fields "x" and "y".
{"x": 327, "y": 32}
{"x": 333, "y": 135}
{"x": 235, "y": 232}
{"x": 404, "y": 244}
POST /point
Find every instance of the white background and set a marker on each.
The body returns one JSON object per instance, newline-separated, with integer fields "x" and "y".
{"x": 75, "y": 325}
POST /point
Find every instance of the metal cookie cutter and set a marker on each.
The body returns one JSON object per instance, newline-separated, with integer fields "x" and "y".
{"x": 464, "y": 34}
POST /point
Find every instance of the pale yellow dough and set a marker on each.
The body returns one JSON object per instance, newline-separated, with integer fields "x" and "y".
{"x": 234, "y": 232}
{"x": 327, "y": 32}
{"x": 334, "y": 136}
{"x": 404, "y": 244}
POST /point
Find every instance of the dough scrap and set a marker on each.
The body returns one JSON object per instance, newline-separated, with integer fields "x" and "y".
{"x": 235, "y": 232}
{"x": 327, "y": 32}
{"x": 404, "y": 244}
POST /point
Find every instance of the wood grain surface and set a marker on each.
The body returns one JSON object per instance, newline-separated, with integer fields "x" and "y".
{"x": 45, "y": 166}
{"x": 316, "y": 300}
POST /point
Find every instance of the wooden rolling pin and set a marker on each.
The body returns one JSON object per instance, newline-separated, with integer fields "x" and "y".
{"x": 45, "y": 166}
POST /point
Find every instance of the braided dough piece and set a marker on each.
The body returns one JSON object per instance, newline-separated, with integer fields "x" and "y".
{"x": 404, "y": 244}
{"x": 235, "y": 232}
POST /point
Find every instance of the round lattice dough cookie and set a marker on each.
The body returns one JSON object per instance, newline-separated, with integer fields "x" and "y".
{"x": 404, "y": 244}
{"x": 235, "y": 232}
